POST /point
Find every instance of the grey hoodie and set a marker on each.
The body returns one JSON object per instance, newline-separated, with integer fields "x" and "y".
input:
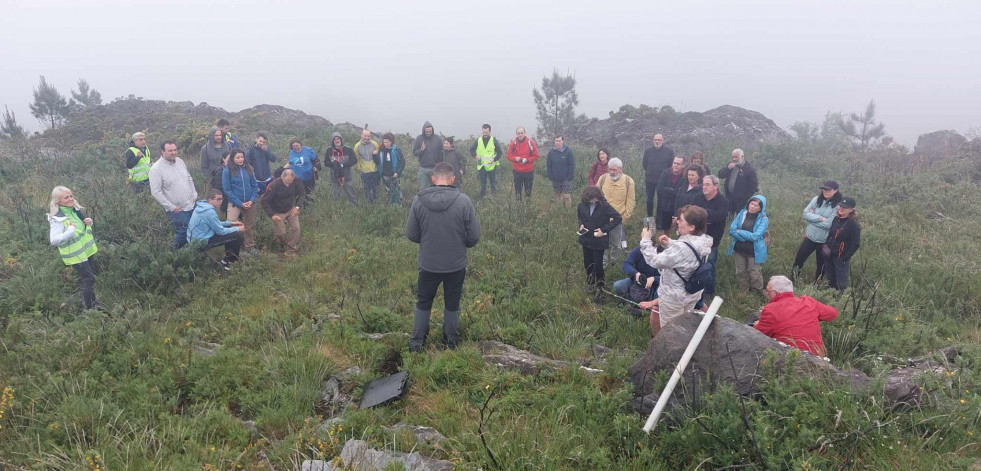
{"x": 434, "y": 148}
{"x": 444, "y": 224}
{"x": 211, "y": 155}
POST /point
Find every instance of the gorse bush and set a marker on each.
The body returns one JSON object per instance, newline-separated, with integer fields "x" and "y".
{"x": 195, "y": 368}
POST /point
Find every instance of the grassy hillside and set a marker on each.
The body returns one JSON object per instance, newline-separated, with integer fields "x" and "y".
{"x": 134, "y": 388}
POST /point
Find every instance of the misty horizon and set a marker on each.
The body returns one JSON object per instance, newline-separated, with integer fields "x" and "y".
{"x": 395, "y": 65}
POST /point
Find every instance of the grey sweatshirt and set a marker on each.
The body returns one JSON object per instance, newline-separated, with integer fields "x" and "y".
{"x": 444, "y": 224}
{"x": 171, "y": 185}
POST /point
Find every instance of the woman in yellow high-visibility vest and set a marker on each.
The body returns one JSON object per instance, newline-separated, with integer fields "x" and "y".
{"x": 71, "y": 232}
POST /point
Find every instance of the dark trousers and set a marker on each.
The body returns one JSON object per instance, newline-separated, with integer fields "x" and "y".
{"x": 86, "y": 271}
{"x": 804, "y": 251}
{"x": 308, "y": 187}
{"x": 837, "y": 271}
{"x": 709, "y": 292}
{"x": 650, "y": 188}
{"x": 139, "y": 187}
{"x": 592, "y": 260}
{"x": 426, "y": 291}
{"x": 180, "y": 220}
{"x": 523, "y": 180}
{"x": 484, "y": 176}
{"x": 232, "y": 243}
{"x": 370, "y": 181}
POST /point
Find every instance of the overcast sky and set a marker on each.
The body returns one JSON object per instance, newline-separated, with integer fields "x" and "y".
{"x": 395, "y": 64}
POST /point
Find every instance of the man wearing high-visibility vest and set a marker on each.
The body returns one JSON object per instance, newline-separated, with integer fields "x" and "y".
{"x": 138, "y": 163}
{"x": 488, "y": 151}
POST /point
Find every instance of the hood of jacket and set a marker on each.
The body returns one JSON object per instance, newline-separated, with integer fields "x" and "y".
{"x": 203, "y": 206}
{"x": 438, "y": 198}
{"x": 427, "y": 124}
{"x": 336, "y": 134}
{"x": 211, "y": 136}
{"x": 762, "y": 203}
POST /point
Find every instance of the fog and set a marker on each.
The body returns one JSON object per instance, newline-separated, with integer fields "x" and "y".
{"x": 395, "y": 64}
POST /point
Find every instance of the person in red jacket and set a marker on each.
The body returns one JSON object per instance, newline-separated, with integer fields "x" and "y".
{"x": 794, "y": 320}
{"x": 523, "y": 153}
{"x": 600, "y": 167}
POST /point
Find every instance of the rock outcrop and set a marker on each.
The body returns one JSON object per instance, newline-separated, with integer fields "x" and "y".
{"x": 633, "y": 127}
{"x": 358, "y": 455}
{"x": 939, "y": 145}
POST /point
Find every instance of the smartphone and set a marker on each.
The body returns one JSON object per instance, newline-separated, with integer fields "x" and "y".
{"x": 582, "y": 231}
{"x": 649, "y": 223}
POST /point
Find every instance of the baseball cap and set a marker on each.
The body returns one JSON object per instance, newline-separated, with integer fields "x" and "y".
{"x": 847, "y": 202}
{"x": 829, "y": 185}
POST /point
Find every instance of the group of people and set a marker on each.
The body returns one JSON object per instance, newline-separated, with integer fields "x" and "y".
{"x": 681, "y": 195}
{"x": 668, "y": 276}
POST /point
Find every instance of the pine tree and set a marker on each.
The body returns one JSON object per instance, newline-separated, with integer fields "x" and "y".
{"x": 9, "y": 129}
{"x": 86, "y": 96}
{"x": 49, "y": 105}
{"x": 556, "y": 104}
{"x": 870, "y": 129}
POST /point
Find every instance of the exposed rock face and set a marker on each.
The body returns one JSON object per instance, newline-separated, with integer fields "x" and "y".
{"x": 525, "y": 362}
{"x": 358, "y": 455}
{"x": 633, "y": 127}
{"x": 710, "y": 365}
{"x": 939, "y": 145}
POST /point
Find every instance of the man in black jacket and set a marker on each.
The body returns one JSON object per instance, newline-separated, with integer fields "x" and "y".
{"x": 428, "y": 148}
{"x": 656, "y": 160}
{"x": 717, "y": 208}
{"x": 444, "y": 224}
{"x": 259, "y": 156}
{"x": 741, "y": 181}
{"x": 844, "y": 238}
{"x": 340, "y": 158}
{"x": 668, "y": 186}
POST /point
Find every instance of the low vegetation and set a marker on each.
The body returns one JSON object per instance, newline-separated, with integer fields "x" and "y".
{"x": 133, "y": 388}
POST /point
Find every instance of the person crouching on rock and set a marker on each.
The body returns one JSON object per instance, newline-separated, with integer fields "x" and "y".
{"x": 794, "y": 320}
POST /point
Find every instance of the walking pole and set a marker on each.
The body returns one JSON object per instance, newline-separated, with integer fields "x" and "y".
{"x": 662, "y": 401}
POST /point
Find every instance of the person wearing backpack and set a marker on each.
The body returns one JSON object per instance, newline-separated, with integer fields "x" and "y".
{"x": 682, "y": 264}
{"x": 746, "y": 231}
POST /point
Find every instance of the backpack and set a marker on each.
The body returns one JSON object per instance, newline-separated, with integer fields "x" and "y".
{"x": 700, "y": 277}
{"x": 637, "y": 292}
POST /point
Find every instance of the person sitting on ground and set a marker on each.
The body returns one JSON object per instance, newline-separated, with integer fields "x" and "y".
{"x": 282, "y": 203}
{"x": 794, "y": 320}
{"x": 206, "y": 226}
{"x": 638, "y": 273}
{"x": 677, "y": 262}
{"x": 747, "y": 231}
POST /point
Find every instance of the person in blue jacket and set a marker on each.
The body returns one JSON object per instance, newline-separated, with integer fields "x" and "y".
{"x": 305, "y": 164}
{"x": 818, "y": 213}
{"x": 747, "y": 230}
{"x": 206, "y": 226}
{"x": 639, "y": 272}
{"x": 242, "y": 190}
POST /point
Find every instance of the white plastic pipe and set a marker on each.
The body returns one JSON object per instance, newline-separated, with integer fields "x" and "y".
{"x": 696, "y": 339}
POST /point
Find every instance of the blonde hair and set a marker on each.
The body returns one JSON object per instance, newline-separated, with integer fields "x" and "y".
{"x": 55, "y": 205}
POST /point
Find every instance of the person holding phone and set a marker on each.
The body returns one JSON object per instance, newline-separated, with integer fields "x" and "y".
{"x": 596, "y": 219}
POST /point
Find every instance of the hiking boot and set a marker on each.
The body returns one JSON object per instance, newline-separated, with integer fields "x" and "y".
{"x": 225, "y": 264}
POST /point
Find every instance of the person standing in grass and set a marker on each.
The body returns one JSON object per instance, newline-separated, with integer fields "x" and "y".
{"x": 818, "y": 213}
{"x": 428, "y": 148}
{"x": 226, "y": 131}
{"x": 444, "y": 224}
{"x": 794, "y": 320}
{"x": 71, "y": 232}
{"x": 748, "y": 246}
{"x": 656, "y": 160}
{"x": 560, "y": 167}
{"x": 844, "y": 238}
{"x": 259, "y": 156}
{"x": 138, "y": 163}
{"x": 618, "y": 189}
{"x": 671, "y": 183}
{"x": 600, "y": 167}
{"x": 390, "y": 163}
{"x": 305, "y": 163}
{"x": 172, "y": 186}
{"x": 597, "y": 219}
{"x": 693, "y": 175}
{"x": 698, "y": 158}
{"x": 212, "y": 153}
{"x": 677, "y": 262}
{"x": 488, "y": 152}
{"x": 242, "y": 190}
{"x": 282, "y": 203}
{"x": 366, "y": 151}
{"x": 340, "y": 158}
{"x": 717, "y": 207}
{"x": 452, "y": 157}
{"x": 741, "y": 181}
{"x": 523, "y": 153}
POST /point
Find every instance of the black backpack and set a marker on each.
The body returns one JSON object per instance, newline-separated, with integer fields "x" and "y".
{"x": 700, "y": 278}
